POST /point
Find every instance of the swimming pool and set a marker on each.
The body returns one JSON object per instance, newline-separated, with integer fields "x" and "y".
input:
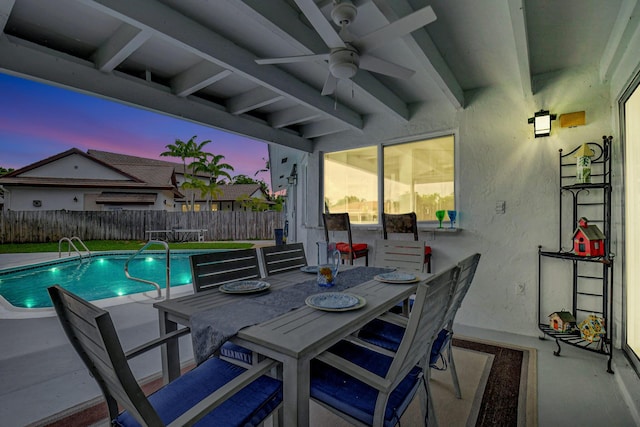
{"x": 100, "y": 277}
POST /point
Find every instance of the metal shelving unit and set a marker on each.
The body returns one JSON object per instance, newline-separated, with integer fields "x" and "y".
{"x": 592, "y": 277}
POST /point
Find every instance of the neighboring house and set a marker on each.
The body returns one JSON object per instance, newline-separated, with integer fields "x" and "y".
{"x": 101, "y": 181}
{"x": 74, "y": 180}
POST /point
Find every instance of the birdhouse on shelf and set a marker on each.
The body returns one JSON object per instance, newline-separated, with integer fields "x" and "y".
{"x": 583, "y": 164}
{"x": 588, "y": 240}
{"x": 562, "y": 321}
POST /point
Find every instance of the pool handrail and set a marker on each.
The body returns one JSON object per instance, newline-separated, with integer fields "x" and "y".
{"x": 168, "y": 269}
{"x": 71, "y": 245}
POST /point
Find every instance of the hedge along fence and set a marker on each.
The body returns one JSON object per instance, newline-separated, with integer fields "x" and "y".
{"x": 48, "y": 226}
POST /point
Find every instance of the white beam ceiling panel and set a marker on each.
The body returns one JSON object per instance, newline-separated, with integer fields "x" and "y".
{"x": 43, "y": 64}
{"x": 178, "y": 29}
{"x": 321, "y": 128}
{"x": 519, "y": 25}
{"x": 626, "y": 25}
{"x": 423, "y": 47}
{"x": 291, "y": 116}
{"x": 251, "y": 100}
{"x": 123, "y": 43}
{"x": 195, "y": 78}
{"x": 5, "y": 11}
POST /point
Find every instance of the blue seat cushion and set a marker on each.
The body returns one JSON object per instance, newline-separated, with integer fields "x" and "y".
{"x": 388, "y": 335}
{"x": 355, "y": 398}
{"x": 248, "y": 407}
{"x": 236, "y": 352}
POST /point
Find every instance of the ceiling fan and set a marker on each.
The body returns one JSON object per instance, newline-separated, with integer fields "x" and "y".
{"x": 348, "y": 54}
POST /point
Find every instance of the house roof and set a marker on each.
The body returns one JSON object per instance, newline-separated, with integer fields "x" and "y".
{"x": 136, "y": 173}
{"x": 565, "y": 316}
{"x": 591, "y": 232}
{"x": 70, "y": 152}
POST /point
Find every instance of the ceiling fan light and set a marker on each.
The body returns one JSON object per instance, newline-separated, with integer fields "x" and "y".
{"x": 344, "y": 70}
{"x": 343, "y": 64}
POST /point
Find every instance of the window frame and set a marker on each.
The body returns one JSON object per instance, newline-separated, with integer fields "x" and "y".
{"x": 380, "y": 165}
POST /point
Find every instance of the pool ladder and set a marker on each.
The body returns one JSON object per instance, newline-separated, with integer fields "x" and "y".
{"x": 70, "y": 240}
{"x": 168, "y": 269}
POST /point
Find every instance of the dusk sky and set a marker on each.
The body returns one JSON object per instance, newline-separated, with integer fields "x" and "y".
{"x": 39, "y": 120}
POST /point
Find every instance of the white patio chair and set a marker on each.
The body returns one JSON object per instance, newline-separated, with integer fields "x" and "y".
{"x": 373, "y": 387}
{"x": 207, "y": 395}
{"x": 387, "y": 331}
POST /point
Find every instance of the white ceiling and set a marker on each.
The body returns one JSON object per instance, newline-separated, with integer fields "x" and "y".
{"x": 195, "y": 59}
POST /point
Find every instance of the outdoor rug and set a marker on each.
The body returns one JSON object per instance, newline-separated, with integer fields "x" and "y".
{"x": 498, "y": 383}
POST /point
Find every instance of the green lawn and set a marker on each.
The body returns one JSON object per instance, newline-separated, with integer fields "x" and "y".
{"x": 115, "y": 245}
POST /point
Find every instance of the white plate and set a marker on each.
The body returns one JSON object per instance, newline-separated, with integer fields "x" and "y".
{"x": 396, "y": 277}
{"x": 335, "y": 301}
{"x": 309, "y": 269}
{"x": 244, "y": 287}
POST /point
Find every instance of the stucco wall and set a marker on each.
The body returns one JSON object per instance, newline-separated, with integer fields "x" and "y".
{"x": 74, "y": 167}
{"x": 498, "y": 159}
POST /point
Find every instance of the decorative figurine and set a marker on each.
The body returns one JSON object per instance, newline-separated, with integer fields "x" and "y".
{"x": 583, "y": 164}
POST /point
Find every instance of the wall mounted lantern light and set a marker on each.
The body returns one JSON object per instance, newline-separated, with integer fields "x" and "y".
{"x": 75, "y": 199}
{"x": 542, "y": 123}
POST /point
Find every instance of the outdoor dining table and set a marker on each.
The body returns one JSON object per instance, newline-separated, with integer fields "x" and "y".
{"x": 294, "y": 337}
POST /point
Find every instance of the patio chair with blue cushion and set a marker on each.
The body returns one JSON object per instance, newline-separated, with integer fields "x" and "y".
{"x": 214, "y": 393}
{"x": 282, "y": 258}
{"x": 367, "y": 385}
{"x": 210, "y": 270}
{"x": 387, "y": 331}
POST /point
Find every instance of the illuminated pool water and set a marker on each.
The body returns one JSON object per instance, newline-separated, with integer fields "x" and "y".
{"x": 98, "y": 278}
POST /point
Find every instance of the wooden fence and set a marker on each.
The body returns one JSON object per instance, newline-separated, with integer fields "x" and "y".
{"x": 51, "y": 226}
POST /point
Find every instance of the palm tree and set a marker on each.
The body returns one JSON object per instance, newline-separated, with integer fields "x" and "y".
{"x": 186, "y": 150}
{"x": 214, "y": 169}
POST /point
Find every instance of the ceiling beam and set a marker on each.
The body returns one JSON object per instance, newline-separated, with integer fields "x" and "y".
{"x": 126, "y": 40}
{"x": 520, "y": 38}
{"x": 291, "y": 116}
{"x": 425, "y": 50}
{"x": 320, "y": 128}
{"x": 5, "y": 10}
{"x": 181, "y": 31}
{"x": 282, "y": 19}
{"x": 43, "y": 64}
{"x": 198, "y": 77}
{"x": 625, "y": 27}
{"x": 251, "y": 100}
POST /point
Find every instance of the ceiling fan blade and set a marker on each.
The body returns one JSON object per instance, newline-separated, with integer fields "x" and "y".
{"x": 289, "y": 59}
{"x": 330, "y": 84}
{"x": 377, "y": 65}
{"x": 396, "y": 29}
{"x": 320, "y": 23}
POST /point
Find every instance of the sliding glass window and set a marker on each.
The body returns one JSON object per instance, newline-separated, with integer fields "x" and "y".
{"x": 418, "y": 177}
{"x": 351, "y": 184}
